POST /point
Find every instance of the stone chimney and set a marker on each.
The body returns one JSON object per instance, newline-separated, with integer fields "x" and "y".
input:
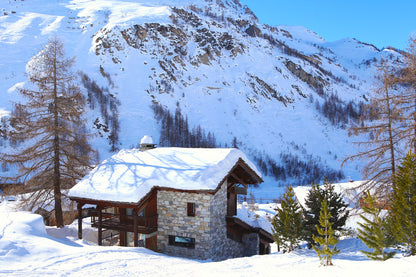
{"x": 146, "y": 143}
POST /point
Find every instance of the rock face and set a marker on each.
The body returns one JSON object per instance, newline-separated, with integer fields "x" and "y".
{"x": 253, "y": 31}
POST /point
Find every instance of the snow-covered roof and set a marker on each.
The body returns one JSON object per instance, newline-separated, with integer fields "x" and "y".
{"x": 130, "y": 174}
{"x": 252, "y": 219}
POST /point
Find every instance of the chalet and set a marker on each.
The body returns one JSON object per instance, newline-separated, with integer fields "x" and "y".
{"x": 178, "y": 201}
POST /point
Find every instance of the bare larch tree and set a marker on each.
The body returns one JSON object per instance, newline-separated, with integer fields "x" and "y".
{"x": 380, "y": 132}
{"x": 407, "y": 79}
{"x": 52, "y": 150}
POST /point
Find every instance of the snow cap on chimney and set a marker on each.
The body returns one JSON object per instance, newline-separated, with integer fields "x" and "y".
{"x": 146, "y": 143}
{"x": 146, "y": 140}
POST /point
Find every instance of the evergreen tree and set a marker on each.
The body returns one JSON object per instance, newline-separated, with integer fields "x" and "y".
{"x": 325, "y": 238}
{"x": 313, "y": 202}
{"x": 175, "y": 130}
{"x": 100, "y": 97}
{"x": 403, "y": 204}
{"x": 288, "y": 222}
{"x": 374, "y": 231}
{"x": 55, "y": 153}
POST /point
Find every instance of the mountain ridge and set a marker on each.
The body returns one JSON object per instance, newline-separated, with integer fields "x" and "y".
{"x": 279, "y": 91}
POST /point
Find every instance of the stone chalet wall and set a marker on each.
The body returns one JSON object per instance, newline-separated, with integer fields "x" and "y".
{"x": 208, "y": 227}
{"x": 223, "y": 247}
{"x": 173, "y": 220}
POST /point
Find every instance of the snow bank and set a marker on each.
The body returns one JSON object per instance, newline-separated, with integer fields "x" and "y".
{"x": 18, "y": 230}
{"x": 25, "y": 250}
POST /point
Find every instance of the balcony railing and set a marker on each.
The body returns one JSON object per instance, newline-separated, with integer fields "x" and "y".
{"x": 121, "y": 222}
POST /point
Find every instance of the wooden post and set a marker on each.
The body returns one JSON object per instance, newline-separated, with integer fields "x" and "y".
{"x": 79, "y": 208}
{"x": 136, "y": 235}
{"x": 100, "y": 227}
{"x": 123, "y": 234}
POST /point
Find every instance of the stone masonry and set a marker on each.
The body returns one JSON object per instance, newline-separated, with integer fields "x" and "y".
{"x": 208, "y": 227}
{"x": 173, "y": 220}
{"x": 222, "y": 247}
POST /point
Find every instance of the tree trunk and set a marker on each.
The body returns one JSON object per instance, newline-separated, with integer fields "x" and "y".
{"x": 56, "y": 169}
{"x": 414, "y": 121}
{"x": 391, "y": 141}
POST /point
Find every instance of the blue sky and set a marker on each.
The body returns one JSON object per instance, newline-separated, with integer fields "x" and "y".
{"x": 382, "y": 23}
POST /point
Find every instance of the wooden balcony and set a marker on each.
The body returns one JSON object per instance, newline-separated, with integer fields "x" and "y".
{"x": 121, "y": 222}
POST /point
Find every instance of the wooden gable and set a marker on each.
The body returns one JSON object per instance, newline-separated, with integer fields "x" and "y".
{"x": 238, "y": 179}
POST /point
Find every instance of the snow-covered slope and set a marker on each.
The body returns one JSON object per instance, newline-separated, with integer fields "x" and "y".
{"x": 280, "y": 93}
{"x": 28, "y": 248}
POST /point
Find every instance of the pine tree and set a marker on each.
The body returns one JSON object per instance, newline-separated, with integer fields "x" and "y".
{"x": 374, "y": 231}
{"x": 325, "y": 238}
{"x": 313, "y": 203}
{"x": 403, "y": 204}
{"x": 55, "y": 153}
{"x": 288, "y": 222}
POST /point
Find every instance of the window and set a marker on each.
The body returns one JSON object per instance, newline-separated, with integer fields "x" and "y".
{"x": 182, "y": 241}
{"x": 191, "y": 209}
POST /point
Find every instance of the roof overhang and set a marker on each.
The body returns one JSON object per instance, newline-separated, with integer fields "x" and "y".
{"x": 246, "y": 227}
{"x": 242, "y": 174}
{"x": 133, "y": 205}
{"x": 104, "y": 203}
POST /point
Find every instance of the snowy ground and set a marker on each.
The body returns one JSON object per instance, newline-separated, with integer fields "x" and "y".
{"x": 27, "y": 248}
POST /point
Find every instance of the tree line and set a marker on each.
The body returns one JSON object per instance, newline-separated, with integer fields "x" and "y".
{"x": 176, "y": 132}
{"x": 101, "y": 98}
{"x": 338, "y": 112}
{"x": 291, "y": 167}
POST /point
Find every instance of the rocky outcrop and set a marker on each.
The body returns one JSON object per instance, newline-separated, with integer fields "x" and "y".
{"x": 262, "y": 88}
{"x": 315, "y": 82}
{"x": 253, "y": 31}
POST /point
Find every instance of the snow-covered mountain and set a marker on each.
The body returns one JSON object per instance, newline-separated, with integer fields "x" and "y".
{"x": 282, "y": 94}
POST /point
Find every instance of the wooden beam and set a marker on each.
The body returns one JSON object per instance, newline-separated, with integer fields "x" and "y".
{"x": 234, "y": 221}
{"x": 100, "y": 228}
{"x": 139, "y": 205}
{"x": 232, "y": 174}
{"x": 136, "y": 235}
{"x": 250, "y": 171}
{"x": 79, "y": 208}
{"x": 103, "y": 203}
{"x": 254, "y": 178}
